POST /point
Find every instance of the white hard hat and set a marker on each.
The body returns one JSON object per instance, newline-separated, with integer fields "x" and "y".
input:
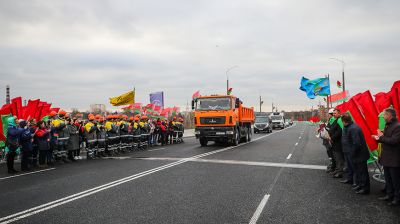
{"x": 331, "y": 111}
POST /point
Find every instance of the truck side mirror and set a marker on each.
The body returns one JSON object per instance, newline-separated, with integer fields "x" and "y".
{"x": 237, "y": 103}
{"x": 192, "y": 104}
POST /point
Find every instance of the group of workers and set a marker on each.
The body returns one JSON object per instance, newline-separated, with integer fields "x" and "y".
{"x": 61, "y": 138}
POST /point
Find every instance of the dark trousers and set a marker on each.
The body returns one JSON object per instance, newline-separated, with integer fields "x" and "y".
{"x": 339, "y": 158}
{"x": 71, "y": 154}
{"x": 10, "y": 160}
{"x": 25, "y": 159}
{"x": 350, "y": 171}
{"x": 392, "y": 179}
{"x": 35, "y": 153}
{"x": 362, "y": 175}
{"x": 45, "y": 156}
{"x": 329, "y": 151}
{"x": 163, "y": 138}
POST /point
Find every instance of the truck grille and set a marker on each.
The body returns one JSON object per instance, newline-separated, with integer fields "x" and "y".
{"x": 212, "y": 120}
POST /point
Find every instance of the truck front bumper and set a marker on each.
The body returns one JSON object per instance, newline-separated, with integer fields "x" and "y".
{"x": 215, "y": 133}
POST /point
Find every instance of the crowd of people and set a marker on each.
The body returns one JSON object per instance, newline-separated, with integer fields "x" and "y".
{"x": 61, "y": 137}
{"x": 348, "y": 153}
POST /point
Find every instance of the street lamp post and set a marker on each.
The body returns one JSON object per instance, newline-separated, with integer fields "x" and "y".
{"x": 227, "y": 77}
{"x": 343, "y": 81}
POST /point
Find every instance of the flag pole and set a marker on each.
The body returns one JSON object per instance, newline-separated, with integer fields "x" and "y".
{"x": 330, "y": 94}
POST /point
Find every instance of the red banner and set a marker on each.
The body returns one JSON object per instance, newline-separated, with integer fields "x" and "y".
{"x": 338, "y": 96}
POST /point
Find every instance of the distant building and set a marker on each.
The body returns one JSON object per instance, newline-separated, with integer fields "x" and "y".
{"x": 98, "y": 108}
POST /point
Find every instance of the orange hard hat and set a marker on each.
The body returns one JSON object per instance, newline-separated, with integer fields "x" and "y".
{"x": 131, "y": 118}
{"x": 62, "y": 112}
{"x": 91, "y": 118}
{"x": 91, "y": 115}
{"x": 98, "y": 116}
{"x": 53, "y": 113}
{"x": 144, "y": 117}
{"x": 109, "y": 117}
{"x": 136, "y": 118}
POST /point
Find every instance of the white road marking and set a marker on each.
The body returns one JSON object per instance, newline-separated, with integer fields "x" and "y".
{"x": 289, "y": 156}
{"x": 24, "y": 174}
{"x": 300, "y": 137}
{"x": 151, "y": 150}
{"x": 116, "y": 157}
{"x": 259, "y": 210}
{"x": 271, "y": 187}
{"x": 248, "y": 163}
{"x": 296, "y": 144}
{"x": 56, "y": 203}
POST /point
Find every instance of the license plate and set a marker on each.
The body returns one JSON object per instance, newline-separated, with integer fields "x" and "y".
{"x": 220, "y": 133}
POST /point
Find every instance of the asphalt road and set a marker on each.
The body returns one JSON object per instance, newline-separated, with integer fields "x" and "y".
{"x": 276, "y": 178}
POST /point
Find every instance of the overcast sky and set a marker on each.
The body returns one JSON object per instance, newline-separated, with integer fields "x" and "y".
{"x": 76, "y": 53}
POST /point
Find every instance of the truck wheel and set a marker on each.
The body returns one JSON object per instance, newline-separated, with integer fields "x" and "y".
{"x": 236, "y": 140}
{"x": 249, "y": 134}
{"x": 203, "y": 142}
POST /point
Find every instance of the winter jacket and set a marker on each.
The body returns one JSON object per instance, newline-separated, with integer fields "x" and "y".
{"x": 335, "y": 132}
{"x": 42, "y": 138}
{"x": 391, "y": 144}
{"x": 13, "y": 135}
{"x": 354, "y": 144}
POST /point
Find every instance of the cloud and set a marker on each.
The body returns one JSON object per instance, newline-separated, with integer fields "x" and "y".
{"x": 75, "y": 54}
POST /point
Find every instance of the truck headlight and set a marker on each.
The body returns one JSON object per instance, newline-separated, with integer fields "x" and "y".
{"x": 229, "y": 132}
{"x": 197, "y": 132}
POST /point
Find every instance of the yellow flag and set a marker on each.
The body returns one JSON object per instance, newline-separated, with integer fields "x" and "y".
{"x": 124, "y": 99}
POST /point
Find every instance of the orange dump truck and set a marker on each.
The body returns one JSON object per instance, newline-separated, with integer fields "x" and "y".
{"x": 222, "y": 118}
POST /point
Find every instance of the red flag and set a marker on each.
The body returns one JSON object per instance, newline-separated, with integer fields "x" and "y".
{"x": 360, "y": 121}
{"x": 383, "y": 100}
{"x": 149, "y": 106}
{"x": 338, "y": 96}
{"x": 395, "y": 95}
{"x": 196, "y": 94}
{"x": 176, "y": 109}
{"x": 30, "y": 109}
{"x": 45, "y": 110}
{"x": 369, "y": 111}
{"x": 5, "y": 109}
{"x": 157, "y": 108}
{"x": 339, "y": 84}
{"x": 56, "y": 109}
{"x": 17, "y": 106}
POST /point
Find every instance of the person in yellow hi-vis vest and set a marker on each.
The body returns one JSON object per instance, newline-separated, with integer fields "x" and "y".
{"x": 111, "y": 135}
{"x": 135, "y": 130}
{"x": 63, "y": 135}
{"x": 91, "y": 137}
{"x": 101, "y": 136}
{"x": 124, "y": 133}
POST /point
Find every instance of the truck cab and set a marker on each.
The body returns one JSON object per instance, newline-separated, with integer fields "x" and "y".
{"x": 222, "y": 118}
{"x": 278, "y": 120}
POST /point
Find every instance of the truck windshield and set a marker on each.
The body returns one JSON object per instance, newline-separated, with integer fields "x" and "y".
{"x": 274, "y": 118}
{"x": 214, "y": 104}
{"x": 261, "y": 120}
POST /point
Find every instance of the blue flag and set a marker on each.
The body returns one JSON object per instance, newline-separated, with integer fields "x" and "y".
{"x": 316, "y": 87}
{"x": 157, "y": 99}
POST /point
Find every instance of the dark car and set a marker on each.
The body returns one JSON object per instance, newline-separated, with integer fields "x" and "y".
{"x": 262, "y": 124}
